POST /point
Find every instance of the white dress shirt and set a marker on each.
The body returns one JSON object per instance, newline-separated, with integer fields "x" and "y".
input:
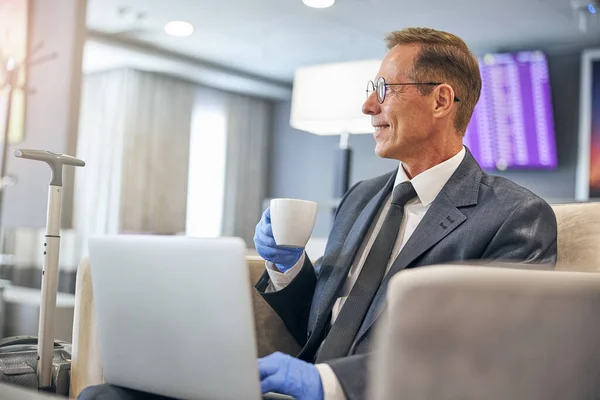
{"x": 428, "y": 185}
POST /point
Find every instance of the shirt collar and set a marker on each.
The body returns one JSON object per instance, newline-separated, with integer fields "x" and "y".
{"x": 428, "y": 184}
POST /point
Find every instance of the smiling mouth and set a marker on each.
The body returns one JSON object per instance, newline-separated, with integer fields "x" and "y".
{"x": 380, "y": 127}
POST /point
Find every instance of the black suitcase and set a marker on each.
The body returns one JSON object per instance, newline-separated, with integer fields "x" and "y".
{"x": 41, "y": 362}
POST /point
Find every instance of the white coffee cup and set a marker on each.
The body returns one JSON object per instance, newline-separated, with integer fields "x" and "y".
{"x": 292, "y": 221}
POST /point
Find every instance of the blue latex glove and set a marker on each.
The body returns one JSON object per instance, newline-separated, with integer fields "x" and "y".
{"x": 284, "y": 258}
{"x": 285, "y": 374}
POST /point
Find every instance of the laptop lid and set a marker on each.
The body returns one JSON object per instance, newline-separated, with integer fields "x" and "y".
{"x": 175, "y": 315}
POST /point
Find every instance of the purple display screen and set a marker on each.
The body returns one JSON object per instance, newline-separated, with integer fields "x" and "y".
{"x": 512, "y": 125}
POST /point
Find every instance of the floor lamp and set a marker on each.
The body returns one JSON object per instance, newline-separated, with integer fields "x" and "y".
{"x": 327, "y": 100}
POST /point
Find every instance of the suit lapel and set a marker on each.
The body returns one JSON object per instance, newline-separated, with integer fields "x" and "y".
{"x": 328, "y": 289}
{"x": 443, "y": 217}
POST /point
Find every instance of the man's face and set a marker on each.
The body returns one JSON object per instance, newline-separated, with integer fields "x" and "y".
{"x": 404, "y": 122}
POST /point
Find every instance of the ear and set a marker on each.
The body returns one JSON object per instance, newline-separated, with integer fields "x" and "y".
{"x": 443, "y": 100}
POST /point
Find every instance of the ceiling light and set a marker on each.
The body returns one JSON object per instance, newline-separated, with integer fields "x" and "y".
{"x": 319, "y": 3}
{"x": 179, "y": 28}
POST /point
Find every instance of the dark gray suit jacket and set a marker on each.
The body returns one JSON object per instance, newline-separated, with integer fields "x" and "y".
{"x": 475, "y": 217}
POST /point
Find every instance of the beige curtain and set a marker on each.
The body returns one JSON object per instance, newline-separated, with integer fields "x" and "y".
{"x": 134, "y": 135}
{"x": 104, "y": 107}
{"x": 248, "y": 134}
{"x": 155, "y": 155}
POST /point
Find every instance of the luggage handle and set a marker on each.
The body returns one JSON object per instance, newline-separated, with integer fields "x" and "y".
{"x": 23, "y": 340}
{"x": 54, "y": 160}
{"x": 45, "y": 342}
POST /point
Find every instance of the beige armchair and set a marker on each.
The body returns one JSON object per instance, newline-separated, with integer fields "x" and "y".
{"x": 578, "y": 248}
{"x": 475, "y": 333}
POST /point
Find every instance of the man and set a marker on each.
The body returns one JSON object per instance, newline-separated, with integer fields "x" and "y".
{"x": 437, "y": 207}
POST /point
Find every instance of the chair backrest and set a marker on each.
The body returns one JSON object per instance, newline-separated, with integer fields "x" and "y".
{"x": 578, "y": 236}
{"x": 470, "y": 333}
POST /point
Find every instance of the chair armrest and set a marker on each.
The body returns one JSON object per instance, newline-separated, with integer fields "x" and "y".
{"x": 271, "y": 333}
{"x": 86, "y": 367}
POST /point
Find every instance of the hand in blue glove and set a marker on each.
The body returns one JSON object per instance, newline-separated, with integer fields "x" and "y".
{"x": 284, "y": 258}
{"x": 285, "y": 374}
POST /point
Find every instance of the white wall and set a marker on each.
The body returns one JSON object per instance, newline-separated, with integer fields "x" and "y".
{"x": 51, "y": 113}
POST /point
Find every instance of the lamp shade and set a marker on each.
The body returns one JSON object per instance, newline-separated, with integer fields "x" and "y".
{"x": 327, "y": 99}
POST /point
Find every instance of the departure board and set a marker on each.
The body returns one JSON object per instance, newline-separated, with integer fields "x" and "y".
{"x": 512, "y": 125}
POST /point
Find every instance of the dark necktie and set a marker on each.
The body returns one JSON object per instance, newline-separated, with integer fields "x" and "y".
{"x": 343, "y": 332}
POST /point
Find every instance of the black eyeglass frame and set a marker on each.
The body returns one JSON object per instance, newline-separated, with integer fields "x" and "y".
{"x": 373, "y": 88}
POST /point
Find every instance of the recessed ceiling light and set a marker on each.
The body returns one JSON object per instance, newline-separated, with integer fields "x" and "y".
{"x": 179, "y": 28}
{"x": 319, "y": 3}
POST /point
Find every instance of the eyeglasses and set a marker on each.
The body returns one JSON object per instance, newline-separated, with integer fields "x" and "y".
{"x": 381, "y": 88}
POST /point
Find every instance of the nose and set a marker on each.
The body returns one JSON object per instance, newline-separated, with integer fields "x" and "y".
{"x": 371, "y": 106}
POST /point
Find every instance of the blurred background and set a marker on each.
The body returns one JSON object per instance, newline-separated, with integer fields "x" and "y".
{"x": 186, "y": 111}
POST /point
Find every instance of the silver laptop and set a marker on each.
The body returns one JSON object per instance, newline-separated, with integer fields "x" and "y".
{"x": 175, "y": 315}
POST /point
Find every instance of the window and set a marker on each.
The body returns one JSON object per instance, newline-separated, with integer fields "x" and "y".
{"x": 206, "y": 174}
